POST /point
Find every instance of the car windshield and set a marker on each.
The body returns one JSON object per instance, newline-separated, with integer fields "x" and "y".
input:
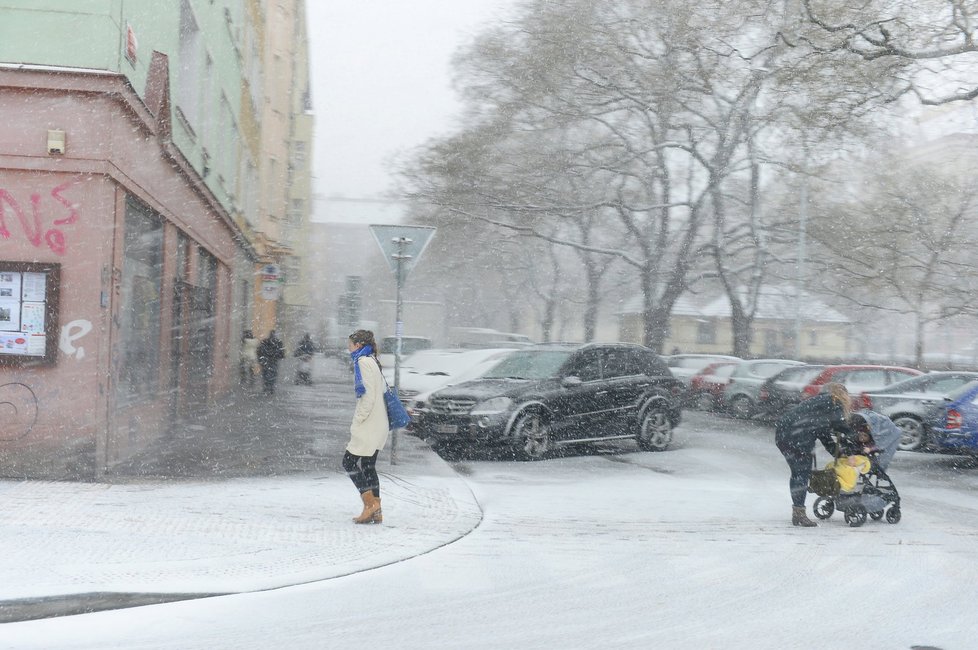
{"x": 540, "y": 364}
{"x": 798, "y": 375}
{"x": 962, "y": 390}
{"x": 409, "y": 345}
{"x": 911, "y": 385}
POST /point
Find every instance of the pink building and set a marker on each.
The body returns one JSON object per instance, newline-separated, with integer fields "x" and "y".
{"x": 115, "y": 272}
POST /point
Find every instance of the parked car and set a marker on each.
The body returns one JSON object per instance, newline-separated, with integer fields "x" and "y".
{"x": 913, "y": 403}
{"x": 955, "y": 424}
{"x": 707, "y": 386}
{"x": 784, "y": 390}
{"x": 545, "y": 396}
{"x": 416, "y": 402}
{"x": 409, "y": 345}
{"x": 781, "y": 394}
{"x": 684, "y": 366}
{"x": 740, "y": 396}
{"x": 481, "y": 337}
{"x": 429, "y": 370}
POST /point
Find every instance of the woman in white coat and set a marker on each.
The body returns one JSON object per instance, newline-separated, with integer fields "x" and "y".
{"x": 369, "y": 430}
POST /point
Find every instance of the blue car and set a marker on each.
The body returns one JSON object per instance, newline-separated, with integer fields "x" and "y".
{"x": 956, "y": 425}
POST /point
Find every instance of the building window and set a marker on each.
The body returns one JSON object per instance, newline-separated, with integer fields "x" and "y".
{"x": 813, "y": 337}
{"x": 299, "y": 156}
{"x": 139, "y": 309}
{"x": 295, "y": 211}
{"x": 706, "y": 332}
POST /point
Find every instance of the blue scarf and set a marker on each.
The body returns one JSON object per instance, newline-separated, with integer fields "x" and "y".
{"x": 358, "y": 386}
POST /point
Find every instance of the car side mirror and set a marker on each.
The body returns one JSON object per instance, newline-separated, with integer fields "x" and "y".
{"x": 571, "y": 382}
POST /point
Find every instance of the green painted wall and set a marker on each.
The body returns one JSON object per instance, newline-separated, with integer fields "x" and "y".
{"x": 92, "y": 34}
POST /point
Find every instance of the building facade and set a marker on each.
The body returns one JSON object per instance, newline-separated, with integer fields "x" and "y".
{"x": 706, "y": 327}
{"x": 132, "y": 233}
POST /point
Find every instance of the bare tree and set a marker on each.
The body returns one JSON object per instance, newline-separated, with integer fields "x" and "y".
{"x": 920, "y": 263}
{"x": 935, "y": 39}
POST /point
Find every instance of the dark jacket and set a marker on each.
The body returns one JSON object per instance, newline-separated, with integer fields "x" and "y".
{"x": 271, "y": 351}
{"x": 817, "y": 418}
{"x": 306, "y": 347}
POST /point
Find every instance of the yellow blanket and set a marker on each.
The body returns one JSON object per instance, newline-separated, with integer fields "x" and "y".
{"x": 848, "y": 469}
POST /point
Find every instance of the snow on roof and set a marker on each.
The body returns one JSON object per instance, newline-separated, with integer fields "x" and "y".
{"x": 775, "y": 303}
{"x": 684, "y": 306}
{"x": 56, "y": 68}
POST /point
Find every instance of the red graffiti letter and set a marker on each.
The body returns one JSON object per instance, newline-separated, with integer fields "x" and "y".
{"x": 56, "y": 241}
{"x": 5, "y": 196}
{"x": 72, "y": 207}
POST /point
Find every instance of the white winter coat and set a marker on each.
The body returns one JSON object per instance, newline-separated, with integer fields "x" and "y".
{"x": 370, "y": 428}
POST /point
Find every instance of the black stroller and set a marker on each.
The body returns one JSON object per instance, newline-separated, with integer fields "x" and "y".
{"x": 875, "y": 495}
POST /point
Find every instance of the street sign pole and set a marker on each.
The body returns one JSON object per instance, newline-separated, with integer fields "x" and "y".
{"x": 401, "y": 246}
{"x": 399, "y": 258}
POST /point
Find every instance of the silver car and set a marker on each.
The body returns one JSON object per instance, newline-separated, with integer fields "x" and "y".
{"x": 740, "y": 396}
{"x": 910, "y": 403}
{"x": 684, "y": 366}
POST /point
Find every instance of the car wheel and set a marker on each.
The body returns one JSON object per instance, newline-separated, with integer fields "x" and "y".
{"x": 912, "y": 438}
{"x": 654, "y": 430}
{"x": 742, "y": 407}
{"x": 913, "y": 433}
{"x": 533, "y": 436}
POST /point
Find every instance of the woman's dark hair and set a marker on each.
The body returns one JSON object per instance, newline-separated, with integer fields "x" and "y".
{"x": 858, "y": 423}
{"x": 366, "y": 337}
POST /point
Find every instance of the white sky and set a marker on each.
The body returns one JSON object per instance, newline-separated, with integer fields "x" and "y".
{"x": 381, "y": 84}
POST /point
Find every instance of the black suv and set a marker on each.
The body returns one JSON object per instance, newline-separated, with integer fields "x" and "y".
{"x": 548, "y": 395}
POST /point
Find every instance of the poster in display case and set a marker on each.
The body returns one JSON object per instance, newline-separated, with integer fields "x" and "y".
{"x": 29, "y": 306}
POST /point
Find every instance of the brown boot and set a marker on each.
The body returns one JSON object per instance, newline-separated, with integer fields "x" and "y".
{"x": 800, "y": 518}
{"x": 371, "y": 509}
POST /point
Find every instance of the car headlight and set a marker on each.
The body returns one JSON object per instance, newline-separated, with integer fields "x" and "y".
{"x": 416, "y": 407}
{"x": 492, "y": 406}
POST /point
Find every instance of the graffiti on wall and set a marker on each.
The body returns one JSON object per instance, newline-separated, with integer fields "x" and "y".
{"x": 18, "y": 410}
{"x": 18, "y": 401}
{"x": 70, "y": 333}
{"x": 34, "y": 227}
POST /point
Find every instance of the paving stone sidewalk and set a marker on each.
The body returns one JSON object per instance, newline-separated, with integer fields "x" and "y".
{"x": 248, "y": 497}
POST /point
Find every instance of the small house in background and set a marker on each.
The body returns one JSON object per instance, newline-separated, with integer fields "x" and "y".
{"x": 705, "y": 326}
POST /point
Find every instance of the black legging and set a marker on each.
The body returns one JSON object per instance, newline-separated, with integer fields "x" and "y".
{"x": 362, "y": 470}
{"x": 801, "y": 470}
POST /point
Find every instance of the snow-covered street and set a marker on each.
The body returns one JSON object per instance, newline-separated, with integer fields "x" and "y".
{"x": 687, "y": 548}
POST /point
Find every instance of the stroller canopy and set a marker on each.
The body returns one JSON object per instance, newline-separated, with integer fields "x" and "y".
{"x": 886, "y": 434}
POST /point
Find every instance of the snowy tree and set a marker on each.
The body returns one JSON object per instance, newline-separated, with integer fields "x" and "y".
{"x": 904, "y": 246}
{"x": 934, "y": 39}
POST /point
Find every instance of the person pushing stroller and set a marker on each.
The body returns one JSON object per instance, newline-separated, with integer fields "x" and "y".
{"x": 862, "y": 486}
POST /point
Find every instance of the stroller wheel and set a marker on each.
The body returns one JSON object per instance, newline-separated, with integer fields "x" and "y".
{"x": 876, "y": 516}
{"x": 893, "y": 515}
{"x": 855, "y": 516}
{"x": 823, "y": 508}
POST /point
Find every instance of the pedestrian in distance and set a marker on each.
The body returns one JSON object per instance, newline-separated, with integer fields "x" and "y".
{"x": 370, "y": 428}
{"x": 795, "y": 433}
{"x": 271, "y": 350}
{"x": 304, "y": 352}
{"x": 249, "y": 358}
